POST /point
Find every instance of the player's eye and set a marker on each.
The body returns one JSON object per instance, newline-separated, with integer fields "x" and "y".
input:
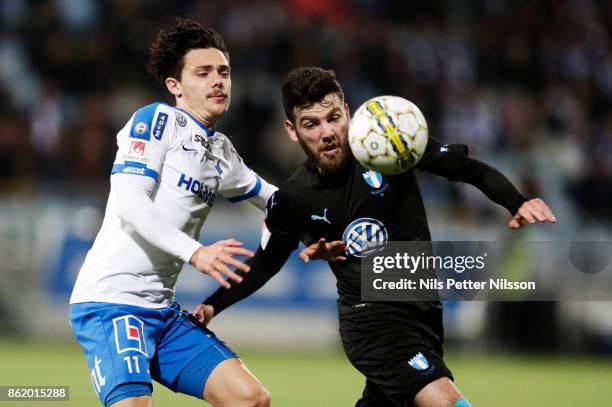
{"x": 224, "y": 74}
{"x": 203, "y": 74}
{"x": 310, "y": 125}
{"x": 334, "y": 118}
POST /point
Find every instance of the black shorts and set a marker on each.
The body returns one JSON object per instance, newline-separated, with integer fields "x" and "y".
{"x": 396, "y": 346}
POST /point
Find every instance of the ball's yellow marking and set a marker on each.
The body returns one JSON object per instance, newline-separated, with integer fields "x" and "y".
{"x": 389, "y": 128}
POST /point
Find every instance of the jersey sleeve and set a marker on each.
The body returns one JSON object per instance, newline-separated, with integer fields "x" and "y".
{"x": 452, "y": 161}
{"x": 144, "y": 141}
{"x": 280, "y": 221}
{"x": 443, "y": 159}
{"x": 240, "y": 182}
{"x": 134, "y": 206}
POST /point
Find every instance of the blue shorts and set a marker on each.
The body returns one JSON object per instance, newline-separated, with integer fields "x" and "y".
{"x": 126, "y": 346}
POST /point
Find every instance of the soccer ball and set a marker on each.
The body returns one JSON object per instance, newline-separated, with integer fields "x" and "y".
{"x": 388, "y": 134}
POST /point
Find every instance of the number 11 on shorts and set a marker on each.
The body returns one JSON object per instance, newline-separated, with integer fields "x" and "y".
{"x": 128, "y": 361}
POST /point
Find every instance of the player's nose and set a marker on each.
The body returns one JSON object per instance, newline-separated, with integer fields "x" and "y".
{"x": 217, "y": 81}
{"x": 327, "y": 132}
{"x": 328, "y": 138}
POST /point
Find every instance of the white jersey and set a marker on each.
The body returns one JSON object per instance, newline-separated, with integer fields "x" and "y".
{"x": 168, "y": 171}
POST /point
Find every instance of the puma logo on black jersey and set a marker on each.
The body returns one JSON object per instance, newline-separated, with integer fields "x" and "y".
{"x": 323, "y": 218}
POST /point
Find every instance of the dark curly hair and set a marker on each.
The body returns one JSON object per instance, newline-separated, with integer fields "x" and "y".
{"x": 306, "y": 85}
{"x": 167, "y": 52}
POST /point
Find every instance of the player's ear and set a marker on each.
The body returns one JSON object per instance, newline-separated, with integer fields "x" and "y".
{"x": 174, "y": 87}
{"x": 290, "y": 130}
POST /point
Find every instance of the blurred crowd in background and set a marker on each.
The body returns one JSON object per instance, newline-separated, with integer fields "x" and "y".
{"x": 526, "y": 84}
{"x": 527, "y": 81}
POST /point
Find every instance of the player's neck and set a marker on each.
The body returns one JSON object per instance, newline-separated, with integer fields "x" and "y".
{"x": 339, "y": 173}
{"x": 198, "y": 115}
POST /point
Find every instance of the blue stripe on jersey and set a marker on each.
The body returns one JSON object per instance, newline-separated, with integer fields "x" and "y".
{"x": 249, "y": 194}
{"x": 141, "y": 125}
{"x": 218, "y": 168}
{"x": 209, "y": 132}
{"x": 131, "y": 167}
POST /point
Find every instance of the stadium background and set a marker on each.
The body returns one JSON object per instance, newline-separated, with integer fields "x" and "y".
{"x": 526, "y": 84}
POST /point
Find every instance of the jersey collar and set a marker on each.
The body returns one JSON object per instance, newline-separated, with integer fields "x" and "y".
{"x": 339, "y": 177}
{"x": 209, "y": 132}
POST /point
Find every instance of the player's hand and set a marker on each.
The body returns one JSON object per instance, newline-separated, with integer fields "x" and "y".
{"x": 333, "y": 251}
{"x": 532, "y": 211}
{"x": 204, "y": 313}
{"x": 215, "y": 259}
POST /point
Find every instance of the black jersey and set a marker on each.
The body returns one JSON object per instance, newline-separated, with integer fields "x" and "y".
{"x": 361, "y": 207}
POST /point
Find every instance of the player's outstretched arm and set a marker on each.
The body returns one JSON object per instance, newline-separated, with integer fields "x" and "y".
{"x": 491, "y": 182}
{"x": 501, "y": 191}
{"x": 452, "y": 161}
{"x": 278, "y": 240}
{"x": 263, "y": 266}
{"x": 532, "y": 211}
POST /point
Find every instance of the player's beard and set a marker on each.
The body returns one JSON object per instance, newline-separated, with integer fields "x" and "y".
{"x": 326, "y": 164}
